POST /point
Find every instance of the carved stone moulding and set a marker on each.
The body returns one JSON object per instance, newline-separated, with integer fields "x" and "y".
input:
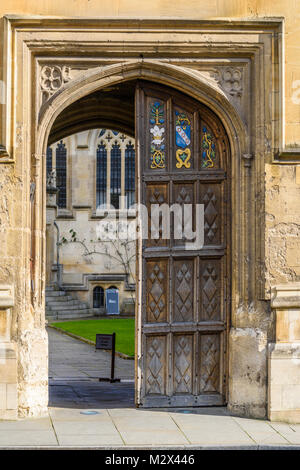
{"x": 231, "y": 80}
{"x": 52, "y": 78}
{"x": 4, "y": 155}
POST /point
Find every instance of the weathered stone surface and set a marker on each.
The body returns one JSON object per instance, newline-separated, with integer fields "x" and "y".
{"x": 265, "y": 196}
{"x": 282, "y": 225}
{"x": 33, "y": 373}
{"x": 247, "y": 372}
{"x": 284, "y": 355}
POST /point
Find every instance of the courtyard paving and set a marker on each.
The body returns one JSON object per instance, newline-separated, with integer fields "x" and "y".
{"x": 75, "y": 390}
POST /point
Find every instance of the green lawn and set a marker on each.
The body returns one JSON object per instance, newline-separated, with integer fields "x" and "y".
{"x": 123, "y": 327}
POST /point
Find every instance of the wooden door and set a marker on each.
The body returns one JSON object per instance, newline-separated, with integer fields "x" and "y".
{"x": 182, "y": 294}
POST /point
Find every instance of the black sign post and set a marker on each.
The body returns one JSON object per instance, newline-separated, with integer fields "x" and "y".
{"x": 108, "y": 342}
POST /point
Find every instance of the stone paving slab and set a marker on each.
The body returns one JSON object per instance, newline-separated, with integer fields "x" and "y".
{"x": 118, "y": 424}
{"x": 213, "y": 429}
{"x": 290, "y": 432}
{"x": 135, "y": 429}
{"x": 69, "y": 357}
{"x": 27, "y": 438}
{"x": 261, "y": 431}
{"x": 146, "y": 428}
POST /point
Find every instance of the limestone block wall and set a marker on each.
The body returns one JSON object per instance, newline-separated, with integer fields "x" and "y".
{"x": 282, "y": 224}
{"x": 24, "y": 354}
{"x": 252, "y": 324}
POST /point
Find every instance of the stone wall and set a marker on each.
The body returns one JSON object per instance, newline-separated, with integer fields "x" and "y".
{"x": 273, "y": 195}
{"x": 282, "y": 224}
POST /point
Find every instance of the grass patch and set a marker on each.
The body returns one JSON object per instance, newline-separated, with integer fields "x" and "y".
{"x": 123, "y": 327}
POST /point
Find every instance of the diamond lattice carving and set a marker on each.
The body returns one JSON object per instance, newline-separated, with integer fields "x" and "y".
{"x": 183, "y": 364}
{"x": 155, "y": 366}
{"x": 210, "y": 352}
{"x": 210, "y": 294}
{"x": 156, "y": 292}
{"x": 183, "y": 298}
{"x": 156, "y": 195}
{"x": 210, "y": 214}
{"x": 184, "y": 196}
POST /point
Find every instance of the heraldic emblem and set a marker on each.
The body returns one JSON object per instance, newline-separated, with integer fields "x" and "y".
{"x": 183, "y": 140}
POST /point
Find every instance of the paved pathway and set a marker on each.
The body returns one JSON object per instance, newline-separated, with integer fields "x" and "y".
{"x": 70, "y": 358}
{"x": 133, "y": 428}
{"x": 74, "y": 369}
{"x": 117, "y": 424}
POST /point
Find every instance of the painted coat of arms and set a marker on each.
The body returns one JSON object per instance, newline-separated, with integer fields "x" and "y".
{"x": 183, "y": 140}
{"x": 157, "y": 140}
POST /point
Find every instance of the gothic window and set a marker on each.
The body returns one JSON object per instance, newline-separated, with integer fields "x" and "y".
{"x": 101, "y": 176}
{"x": 115, "y": 169}
{"x": 115, "y": 176}
{"x": 98, "y": 297}
{"x": 49, "y": 160}
{"x": 61, "y": 174}
{"x": 129, "y": 174}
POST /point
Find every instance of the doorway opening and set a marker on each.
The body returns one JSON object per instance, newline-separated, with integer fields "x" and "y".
{"x": 155, "y": 146}
{"x": 90, "y": 163}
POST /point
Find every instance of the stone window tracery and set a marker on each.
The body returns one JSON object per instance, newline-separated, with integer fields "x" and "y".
{"x": 115, "y": 169}
{"x": 101, "y": 175}
{"x": 61, "y": 175}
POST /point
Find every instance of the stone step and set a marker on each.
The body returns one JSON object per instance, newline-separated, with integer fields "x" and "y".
{"x": 55, "y": 293}
{"x": 65, "y": 315}
{"x": 60, "y": 305}
{"x": 67, "y": 306}
{"x": 50, "y": 318}
{"x": 60, "y": 300}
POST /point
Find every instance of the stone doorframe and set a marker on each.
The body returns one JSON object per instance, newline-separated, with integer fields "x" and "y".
{"x": 233, "y": 67}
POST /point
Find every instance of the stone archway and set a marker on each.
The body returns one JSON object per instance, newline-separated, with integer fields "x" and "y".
{"x": 32, "y": 120}
{"x": 192, "y": 343}
{"x": 145, "y": 70}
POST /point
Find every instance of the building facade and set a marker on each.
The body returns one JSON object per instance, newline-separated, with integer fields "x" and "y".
{"x": 231, "y": 70}
{"x": 88, "y": 171}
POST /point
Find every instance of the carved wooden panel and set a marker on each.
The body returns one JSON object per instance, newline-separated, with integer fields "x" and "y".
{"x": 210, "y": 196}
{"x": 183, "y": 292}
{"x": 183, "y": 195}
{"x": 182, "y": 150}
{"x": 183, "y": 364}
{"x": 156, "y": 195}
{"x": 209, "y": 363}
{"x": 155, "y": 365}
{"x": 157, "y": 290}
{"x": 210, "y": 290}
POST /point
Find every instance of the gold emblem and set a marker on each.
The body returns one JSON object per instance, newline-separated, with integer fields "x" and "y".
{"x": 158, "y": 159}
{"x": 183, "y": 157}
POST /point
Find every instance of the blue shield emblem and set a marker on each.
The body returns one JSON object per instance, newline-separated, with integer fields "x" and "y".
{"x": 183, "y": 130}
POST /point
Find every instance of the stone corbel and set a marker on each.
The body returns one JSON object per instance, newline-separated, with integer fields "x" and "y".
{"x": 6, "y": 296}
{"x": 248, "y": 157}
{"x": 284, "y": 355}
{"x": 4, "y": 155}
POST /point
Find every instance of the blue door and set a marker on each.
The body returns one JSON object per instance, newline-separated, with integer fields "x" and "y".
{"x": 112, "y": 302}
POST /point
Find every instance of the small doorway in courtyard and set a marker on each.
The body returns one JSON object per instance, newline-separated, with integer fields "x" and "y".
{"x": 139, "y": 142}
